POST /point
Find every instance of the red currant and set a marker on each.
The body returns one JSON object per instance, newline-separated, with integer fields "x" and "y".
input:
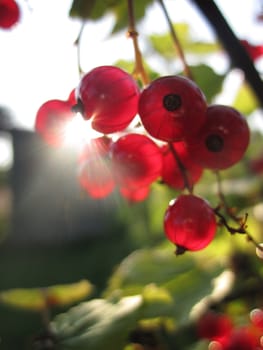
{"x": 223, "y": 139}
{"x": 241, "y": 339}
{"x": 189, "y": 223}
{"x": 137, "y": 161}
{"x": 214, "y": 326}
{"x": 256, "y": 317}
{"x": 109, "y": 97}
{"x": 135, "y": 194}
{"x": 94, "y": 173}
{"x": 9, "y": 13}
{"x": 172, "y": 107}
{"x": 51, "y": 121}
{"x": 179, "y": 169}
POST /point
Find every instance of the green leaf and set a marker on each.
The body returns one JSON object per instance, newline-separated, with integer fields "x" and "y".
{"x": 37, "y": 299}
{"x": 208, "y": 80}
{"x": 164, "y": 45}
{"x": 180, "y": 277}
{"x": 96, "y": 9}
{"x": 98, "y": 324}
{"x": 245, "y": 100}
{"x": 105, "y": 324}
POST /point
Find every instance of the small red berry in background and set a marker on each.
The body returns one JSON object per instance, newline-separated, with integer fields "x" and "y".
{"x": 256, "y": 317}
{"x": 241, "y": 338}
{"x": 136, "y": 161}
{"x": 189, "y": 223}
{"x": 9, "y": 13}
{"x": 254, "y": 51}
{"x": 214, "y": 326}
{"x": 109, "y": 97}
{"x": 134, "y": 195}
{"x": 172, "y": 107}
{"x": 223, "y": 139}
{"x": 51, "y": 121}
{"x": 172, "y": 174}
{"x": 94, "y": 173}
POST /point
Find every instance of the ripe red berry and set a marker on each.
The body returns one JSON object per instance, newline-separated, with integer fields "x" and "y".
{"x": 241, "y": 339}
{"x": 109, "y": 97}
{"x": 51, "y": 121}
{"x": 94, "y": 172}
{"x": 137, "y": 161}
{"x": 9, "y": 13}
{"x": 256, "y": 317}
{"x": 179, "y": 169}
{"x": 223, "y": 139}
{"x": 214, "y": 326}
{"x": 135, "y": 194}
{"x": 254, "y": 51}
{"x": 172, "y": 107}
{"x": 189, "y": 223}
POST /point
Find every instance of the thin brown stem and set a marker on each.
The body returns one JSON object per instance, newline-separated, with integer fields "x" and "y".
{"x": 77, "y": 43}
{"x": 242, "y": 221}
{"x": 182, "y": 168}
{"x": 139, "y": 70}
{"x": 176, "y": 42}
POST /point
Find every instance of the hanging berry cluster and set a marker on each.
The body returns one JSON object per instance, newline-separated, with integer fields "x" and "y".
{"x": 165, "y": 131}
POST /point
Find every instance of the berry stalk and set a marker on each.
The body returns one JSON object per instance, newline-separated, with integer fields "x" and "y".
{"x": 139, "y": 71}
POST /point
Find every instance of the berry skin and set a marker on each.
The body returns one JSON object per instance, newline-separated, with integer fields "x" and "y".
{"x": 109, "y": 97}
{"x": 136, "y": 160}
{"x": 94, "y": 172}
{"x": 223, "y": 139}
{"x": 172, "y": 107}
{"x": 51, "y": 121}
{"x": 189, "y": 223}
{"x": 172, "y": 174}
{"x": 214, "y": 326}
{"x": 134, "y": 195}
{"x": 9, "y": 13}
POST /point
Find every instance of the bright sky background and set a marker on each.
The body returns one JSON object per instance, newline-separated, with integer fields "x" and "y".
{"x": 39, "y": 60}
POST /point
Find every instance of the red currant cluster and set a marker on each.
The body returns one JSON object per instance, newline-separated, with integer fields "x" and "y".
{"x": 9, "y": 13}
{"x": 223, "y": 334}
{"x": 175, "y": 136}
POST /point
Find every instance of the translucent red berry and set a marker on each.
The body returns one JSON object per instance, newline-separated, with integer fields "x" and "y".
{"x": 223, "y": 139}
{"x": 256, "y": 317}
{"x": 51, "y": 121}
{"x": 94, "y": 172}
{"x": 179, "y": 169}
{"x": 9, "y": 13}
{"x": 109, "y": 97}
{"x": 137, "y": 161}
{"x": 241, "y": 339}
{"x": 135, "y": 194}
{"x": 189, "y": 223}
{"x": 214, "y": 326}
{"x": 172, "y": 107}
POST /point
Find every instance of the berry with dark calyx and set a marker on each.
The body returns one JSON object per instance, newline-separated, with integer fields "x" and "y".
{"x": 223, "y": 139}
{"x": 109, "y": 97}
{"x": 136, "y": 160}
{"x": 172, "y": 107}
{"x": 179, "y": 170}
{"x": 9, "y": 13}
{"x": 189, "y": 223}
{"x": 94, "y": 171}
{"x": 51, "y": 121}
